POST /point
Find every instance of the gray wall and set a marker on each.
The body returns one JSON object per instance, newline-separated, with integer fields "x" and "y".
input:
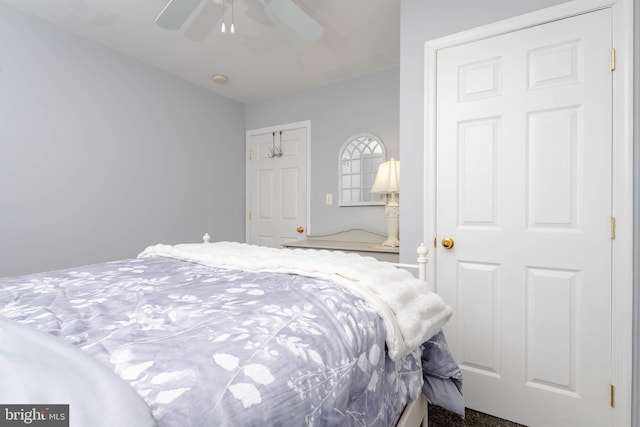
{"x": 101, "y": 155}
{"x": 422, "y": 21}
{"x": 365, "y": 104}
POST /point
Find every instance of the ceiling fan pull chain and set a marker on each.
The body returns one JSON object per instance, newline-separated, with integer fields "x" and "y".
{"x": 233, "y": 30}
{"x": 223, "y": 27}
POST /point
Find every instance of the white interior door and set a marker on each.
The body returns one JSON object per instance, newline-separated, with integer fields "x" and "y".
{"x": 524, "y": 192}
{"x": 277, "y": 185}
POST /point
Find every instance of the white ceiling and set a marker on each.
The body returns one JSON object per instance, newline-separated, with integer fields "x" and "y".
{"x": 264, "y": 58}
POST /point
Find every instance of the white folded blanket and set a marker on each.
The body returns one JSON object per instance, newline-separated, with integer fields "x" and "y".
{"x": 411, "y": 312}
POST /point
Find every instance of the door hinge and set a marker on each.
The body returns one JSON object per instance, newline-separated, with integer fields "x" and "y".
{"x": 612, "y": 395}
{"x": 613, "y": 59}
{"x": 613, "y": 227}
{"x": 249, "y": 216}
{"x": 250, "y": 153}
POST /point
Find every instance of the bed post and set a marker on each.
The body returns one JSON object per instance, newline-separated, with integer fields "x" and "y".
{"x": 422, "y": 274}
{"x": 416, "y": 413}
{"x": 422, "y": 262}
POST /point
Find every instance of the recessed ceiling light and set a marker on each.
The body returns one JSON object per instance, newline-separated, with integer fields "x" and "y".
{"x": 220, "y": 79}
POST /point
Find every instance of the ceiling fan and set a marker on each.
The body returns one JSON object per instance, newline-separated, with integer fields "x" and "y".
{"x": 177, "y": 12}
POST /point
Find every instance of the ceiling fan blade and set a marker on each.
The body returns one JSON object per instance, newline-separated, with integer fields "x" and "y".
{"x": 176, "y": 13}
{"x": 204, "y": 22}
{"x": 299, "y": 21}
{"x": 255, "y": 12}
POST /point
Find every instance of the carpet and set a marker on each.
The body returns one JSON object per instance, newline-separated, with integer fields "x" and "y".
{"x": 439, "y": 417}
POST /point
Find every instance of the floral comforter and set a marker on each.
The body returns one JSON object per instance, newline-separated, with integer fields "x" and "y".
{"x": 206, "y": 346}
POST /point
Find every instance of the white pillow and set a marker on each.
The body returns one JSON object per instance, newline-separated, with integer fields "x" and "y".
{"x": 38, "y": 368}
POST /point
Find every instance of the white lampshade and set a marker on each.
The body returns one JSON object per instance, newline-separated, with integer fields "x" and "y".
{"x": 388, "y": 177}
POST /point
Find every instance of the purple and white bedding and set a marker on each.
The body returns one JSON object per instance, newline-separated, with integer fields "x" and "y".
{"x": 226, "y": 334}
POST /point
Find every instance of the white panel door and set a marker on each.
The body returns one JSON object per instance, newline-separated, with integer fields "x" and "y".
{"x": 277, "y": 186}
{"x": 524, "y": 191}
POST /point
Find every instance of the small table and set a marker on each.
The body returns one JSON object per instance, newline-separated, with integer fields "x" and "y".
{"x": 363, "y": 242}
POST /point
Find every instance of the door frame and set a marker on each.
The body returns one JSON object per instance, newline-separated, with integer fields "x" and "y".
{"x": 277, "y": 128}
{"x": 622, "y": 179}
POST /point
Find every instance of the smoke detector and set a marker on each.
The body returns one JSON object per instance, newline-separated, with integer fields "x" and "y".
{"x": 220, "y": 79}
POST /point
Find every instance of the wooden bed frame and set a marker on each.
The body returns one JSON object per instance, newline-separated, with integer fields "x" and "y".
{"x": 416, "y": 413}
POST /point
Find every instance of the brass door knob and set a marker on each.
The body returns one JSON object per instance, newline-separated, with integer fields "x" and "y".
{"x": 447, "y": 242}
{"x": 300, "y": 230}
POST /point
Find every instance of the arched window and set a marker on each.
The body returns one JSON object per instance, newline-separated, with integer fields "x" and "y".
{"x": 359, "y": 158}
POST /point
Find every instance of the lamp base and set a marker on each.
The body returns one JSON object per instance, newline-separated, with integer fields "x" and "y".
{"x": 391, "y": 243}
{"x": 392, "y": 212}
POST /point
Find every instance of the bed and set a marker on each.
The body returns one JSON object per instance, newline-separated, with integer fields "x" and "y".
{"x": 228, "y": 334}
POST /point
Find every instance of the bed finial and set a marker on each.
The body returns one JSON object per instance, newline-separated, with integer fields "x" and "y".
{"x": 206, "y": 238}
{"x": 422, "y": 252}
